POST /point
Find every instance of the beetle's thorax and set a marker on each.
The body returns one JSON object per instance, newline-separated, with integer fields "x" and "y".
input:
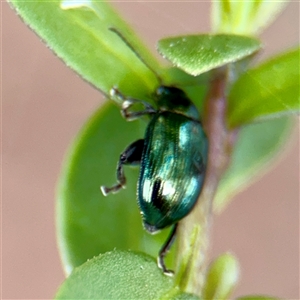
{"x": 175, "y": 100}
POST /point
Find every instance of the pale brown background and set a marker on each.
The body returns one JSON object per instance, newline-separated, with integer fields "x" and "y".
{"x": 44, "y": 104}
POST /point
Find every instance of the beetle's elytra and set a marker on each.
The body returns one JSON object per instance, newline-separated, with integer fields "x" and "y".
{"x": 172, "y": 158}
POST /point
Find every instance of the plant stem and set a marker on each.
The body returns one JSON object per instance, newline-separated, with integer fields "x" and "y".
{"x": 194, "y": 230}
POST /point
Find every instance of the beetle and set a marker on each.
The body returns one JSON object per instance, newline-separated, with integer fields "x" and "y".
{"x": 172, "y": 157}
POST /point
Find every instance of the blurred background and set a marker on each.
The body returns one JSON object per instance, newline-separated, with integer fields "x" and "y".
{"x": 44, "y": 104}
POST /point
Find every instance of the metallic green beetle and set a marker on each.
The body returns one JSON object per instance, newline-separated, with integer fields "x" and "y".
{"x": 173, "y": 158}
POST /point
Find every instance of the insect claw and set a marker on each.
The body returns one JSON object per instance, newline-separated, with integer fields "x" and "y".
{"x": 169, "y": 273}
{"x": 104, "y": 190}
{"x": 126, "y": 104}
{"x": 114, "y": 189}
{"x": 113, "y": 92}
{"x": 161, "y": 265}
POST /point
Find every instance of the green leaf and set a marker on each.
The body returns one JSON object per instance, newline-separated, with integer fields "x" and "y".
{"x": 256, "y": 147}
{"x": 257, "y": 297}
{"x": 269, "y": 90}
{"x": 181, "y": 296}
{"x": 120, "y": 275}
{"x": 196, "y": 54}
{"x": 87, "y": 222}
{"x": 78, "y": 32}
{"x": 244, "y": 17}
{"x": 116, "y": 275}
{"x": 221, "y": 278}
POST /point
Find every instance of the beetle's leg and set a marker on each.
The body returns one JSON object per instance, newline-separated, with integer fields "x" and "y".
{"x": 131, "y": 156}
{"x": 127, "y": 102}
{"x": 164, "y": 250}
{"x": 132, "y": 115}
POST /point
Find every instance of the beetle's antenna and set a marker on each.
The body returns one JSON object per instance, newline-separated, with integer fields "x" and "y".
{"x": 122, "y": 37}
